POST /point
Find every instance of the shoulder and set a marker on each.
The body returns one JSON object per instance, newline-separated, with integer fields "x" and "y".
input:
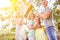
{"x": 48, "y": 9}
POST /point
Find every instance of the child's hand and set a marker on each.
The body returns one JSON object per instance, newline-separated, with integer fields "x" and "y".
{"x": 30, "y": 27}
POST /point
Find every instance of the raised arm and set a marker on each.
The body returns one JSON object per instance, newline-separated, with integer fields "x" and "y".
{"x": 45, "y": 15}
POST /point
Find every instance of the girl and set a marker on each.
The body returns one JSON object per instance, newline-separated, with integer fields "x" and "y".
{"x": 30, "y": 25}
{"x": 39, "y": 32}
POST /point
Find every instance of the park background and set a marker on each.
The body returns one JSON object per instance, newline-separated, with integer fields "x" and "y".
{"x": 15, "y": 10}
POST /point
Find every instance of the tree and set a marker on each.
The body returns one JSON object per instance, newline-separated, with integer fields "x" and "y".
{"x": 56, "y": 13}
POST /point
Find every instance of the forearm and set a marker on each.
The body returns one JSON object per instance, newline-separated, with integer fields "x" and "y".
{"x": 45, "y": 15}
{"x": 42, "y": 16}
{"x": 36, "y": 26}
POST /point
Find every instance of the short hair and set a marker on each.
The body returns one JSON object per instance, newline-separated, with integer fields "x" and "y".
{"x": 45, "y": 0}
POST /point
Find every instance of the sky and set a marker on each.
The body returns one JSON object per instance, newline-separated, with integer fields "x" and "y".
{"x": 5, "y": 3}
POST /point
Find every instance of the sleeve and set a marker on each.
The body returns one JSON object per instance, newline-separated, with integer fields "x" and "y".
{"x": 30, "y": 22}
{"x": 48, "y": 9}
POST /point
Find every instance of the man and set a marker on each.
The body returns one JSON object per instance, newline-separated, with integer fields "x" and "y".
{"x": 46, "y": 16}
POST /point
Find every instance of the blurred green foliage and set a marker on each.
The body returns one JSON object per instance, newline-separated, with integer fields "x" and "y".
{"x": 56, "y": 12}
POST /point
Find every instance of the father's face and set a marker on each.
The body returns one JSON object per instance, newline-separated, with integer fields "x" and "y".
{"x": 44, "y": 2}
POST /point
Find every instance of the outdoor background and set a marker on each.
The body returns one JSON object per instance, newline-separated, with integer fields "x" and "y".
{"x": 11, "y": 11}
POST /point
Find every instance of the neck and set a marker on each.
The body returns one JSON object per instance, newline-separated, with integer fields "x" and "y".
{"x": 45, "y": 6}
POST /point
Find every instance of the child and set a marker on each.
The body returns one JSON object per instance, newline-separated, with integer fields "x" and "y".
{"x": 18, "y": 27}
{"x": 23, "y": 29}
{"x": 39, "y": 32}
{"x": 30, "y": 25}
{"x": 21, "y": 34}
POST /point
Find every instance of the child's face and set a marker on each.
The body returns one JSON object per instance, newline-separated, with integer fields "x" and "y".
{"x": 32, "y": 17}
{"x": 37, "y": 19}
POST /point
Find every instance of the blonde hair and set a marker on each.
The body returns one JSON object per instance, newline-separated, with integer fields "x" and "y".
{"x": 31, "y": 15}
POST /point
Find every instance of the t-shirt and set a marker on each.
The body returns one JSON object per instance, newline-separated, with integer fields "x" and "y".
{"x": 30, "y": 22}
{"x": 48, "y": 22}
